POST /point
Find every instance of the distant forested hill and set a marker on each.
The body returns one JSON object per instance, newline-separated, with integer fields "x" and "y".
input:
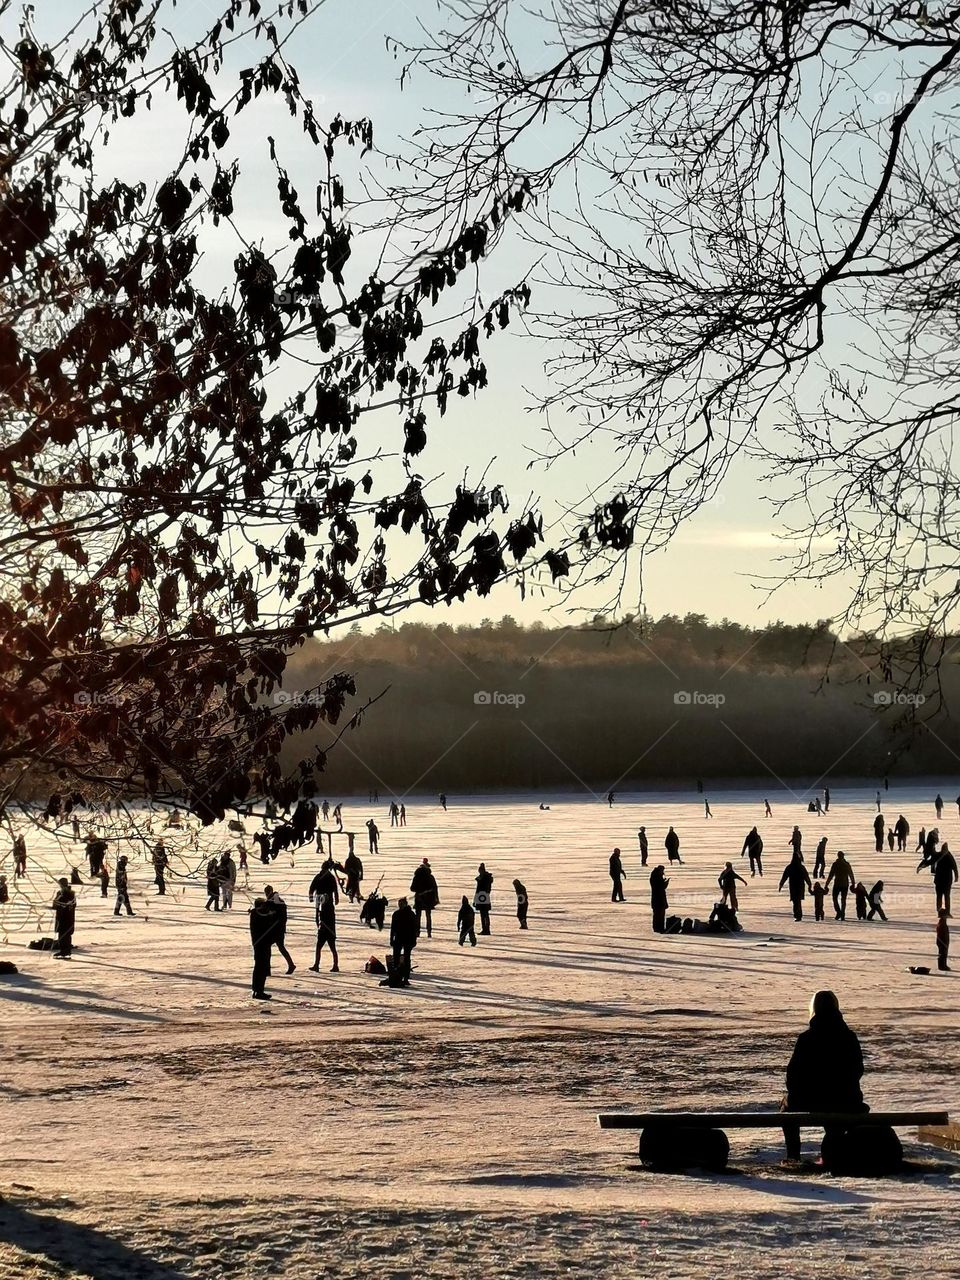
{"x": 502, "y": 706}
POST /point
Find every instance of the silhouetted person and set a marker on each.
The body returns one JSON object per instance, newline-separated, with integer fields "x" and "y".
{"x": 796, "y": 841}
{"x": 875, "y": 899}
{"x": 860, "y": 897}
{"x": 104, "y": 880}
{"x": 826, "y": 1067}
{"x": 403, "y": 938}
{"x": 65, "y": 918}
{"x": 891, "y": 839}
{"x": 879, "y": 830}
{"x": 727, "y": 880}
{"x": 213, "y": 885}
{"x": 616, "y": 875}
{"x": 19, "y": 857}
{"x": 523, "y": 902}
{"x": 901, "y": 829}
{"x": 4, "y": 891}
{"x": 75, "y": 877}
{"x": 353, "y": 868}
{"x": 658, "y": 898}
{"x": 227, "y": 874}
{"x": 819, "y": 893}
{"x": 826, "y": 799}
{"x": 842, "y": 878}
{"x": 797, "y": 878}
{"x": 820, "y": 859}
{"x": 922, "y": 838}
{"x": 325, "y": 810}
{"x": 443, "y": 801}
{"x": 394, "y": 814}
{"x": 878, "y": 802}
{"x": 123, "y": 887}
{"x": 96, "y": 851}
{"x": 483, "y": 897}
{"x": 426, "y": 894}
{"x": 263, "y": 923}
{"x": 373, "y": 833}
{"x": 160, "y": 864}
{"x": 403, "y": 815}
{"x": 767, "y": 811}
{"x": 753, "y": 848}
{"x": 644, "y": 845}
{"x": 610, "y": 799}
{"x": 944, "y": 876}
{"x": 706, "y": 809}
{"x": 938, "y": 805}
{"x": 279, "y": 937}
{"x": 325, "y": 893}
{"x": 466, "y": 917}
{"x": 943, "y": 942}
{"x": 672, "y": 846}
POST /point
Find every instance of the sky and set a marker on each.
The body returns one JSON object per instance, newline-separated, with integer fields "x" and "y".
{"x": 722, "y": 563}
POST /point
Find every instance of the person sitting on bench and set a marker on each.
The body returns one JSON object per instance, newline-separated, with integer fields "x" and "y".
{"x": 826, "y": 1068}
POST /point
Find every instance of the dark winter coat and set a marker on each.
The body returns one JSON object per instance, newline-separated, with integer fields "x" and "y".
{"x": 826, "y": 1067}
{"x": 796, "y": 875}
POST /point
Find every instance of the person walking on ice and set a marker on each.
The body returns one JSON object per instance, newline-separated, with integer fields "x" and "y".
{"x": 875, "y": 899}
{"x": 938, "y": 805}
{"x": 483, "y": 897}
{"x": 727, "y": 880}
{"x": 820, "y": 859}
{"x": 523, "y": 902}
{"x": 465, "y": 922}
{"x": 672, "y": 846}
{"x": 616, "y": 875}
{"x": 843, "y": 879}
{"x": 943, "y": 942}
{"x": 798, "y": 878}
{"x": 65, "y": 918}
{"x": 644, "y": 845}
{"x": 753, "y": 848}
{"x": 122, "y": 886}
{"x": 373, "y": 835}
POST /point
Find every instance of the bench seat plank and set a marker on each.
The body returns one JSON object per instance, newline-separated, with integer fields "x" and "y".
{"x": 765, "y": 1119}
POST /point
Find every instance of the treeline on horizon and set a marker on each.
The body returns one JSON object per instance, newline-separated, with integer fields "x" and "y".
{"x": 606, "y": 703}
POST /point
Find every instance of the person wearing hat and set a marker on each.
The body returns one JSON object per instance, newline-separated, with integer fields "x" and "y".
{"x": 123, "y": 891}
{"x": 65, "y": 915}
{"x": 426, "y": 894}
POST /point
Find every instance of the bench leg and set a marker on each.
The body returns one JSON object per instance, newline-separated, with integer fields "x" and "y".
{"x": 671, "y": 1148}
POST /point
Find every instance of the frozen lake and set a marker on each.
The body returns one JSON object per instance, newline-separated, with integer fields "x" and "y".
{"x": 187, "y": 1113}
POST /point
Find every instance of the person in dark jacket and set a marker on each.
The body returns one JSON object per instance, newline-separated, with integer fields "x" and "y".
{"x": 122, "y": 887}
{"x": 465, "y": 922}
{"x": 943, "y": 942}
{"x": 404, "y": 929}
{"x": 860, "y": 897}
{"x": 65, "y": 918}
{"x": 280, "y": 931}
{"x": 373, "y": 836}
{"x": 672, "y": 846}
{"x": 826, "y": 1067}
{"x": 879, "y": 831}
{"x": 843, "y": 879}
{"x": 161, "y": 863}
{"x": 353, "y": 868}
{"x": 797, "y": 877}
{"x": 616, "y": 875}
{"x": 523, "y": 902}
{"x": 820, "y": 859}
{"x": 644, "y": 846}
{"x": 96, "y": 851}
{"x": 819, "y": 893}
{"x": 753, "y": 848}
{"x": 875, "y": 899}
{"x": 263, "y": 924}
{"x": 727, "y": 880}
{"x": 938, "y": 805}
{"x": 796, "y": 841}
{"x": 483, "y": 897}
{"x": 213, "y": 885}
{"x": 901, "y": 829}
{"x": 426, "y": 894}
{"x": 658, "y": 898}
{"x": 325, "y": 893}
{"x": 944, "y": 875}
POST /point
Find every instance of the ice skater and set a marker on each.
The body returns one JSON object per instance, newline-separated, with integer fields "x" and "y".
{"x": 753, "y": 848}
{"x": 466, "y": 918}
{"x": 483, "y": 897}
{"x": 426, "y": 894}
{"x": 796, "y": 876}
{"x": 616, "y": 875}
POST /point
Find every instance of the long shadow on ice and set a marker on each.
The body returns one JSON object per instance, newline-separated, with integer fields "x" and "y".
{"x": 18, "y": 990}
{"x": 75, "y": 1246}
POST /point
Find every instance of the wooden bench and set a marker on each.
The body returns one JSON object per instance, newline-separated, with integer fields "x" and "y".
{"x": 854, "y": 1141}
